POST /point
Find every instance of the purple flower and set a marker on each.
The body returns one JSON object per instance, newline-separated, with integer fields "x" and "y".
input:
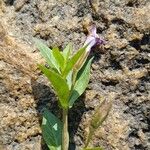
{"x": 93, "y": 39}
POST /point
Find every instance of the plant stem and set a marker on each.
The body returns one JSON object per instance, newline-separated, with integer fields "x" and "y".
{"x": 65, "y": 134}
{"x": 91, "y": 132}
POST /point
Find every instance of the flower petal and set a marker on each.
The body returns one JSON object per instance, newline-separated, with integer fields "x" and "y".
{"x": 93, "y": 39}
{"x": 99, "y": 41}
{"x": 90, "y": 41}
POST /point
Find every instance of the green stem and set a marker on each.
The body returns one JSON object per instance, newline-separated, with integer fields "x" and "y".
{"x": 89, "y": 137}
{"x": 65, "y": 134}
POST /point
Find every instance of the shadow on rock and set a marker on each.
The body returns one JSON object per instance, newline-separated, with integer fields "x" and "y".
{"x": 75, "y": 116}
{"x": 9, "y": 2}
{"x": 44, "y": 98}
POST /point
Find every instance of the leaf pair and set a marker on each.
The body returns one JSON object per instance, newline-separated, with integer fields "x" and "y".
{"x": 61, "y": 87}
{"x": 58, "y": 60}
{"x": 60, "y": 72}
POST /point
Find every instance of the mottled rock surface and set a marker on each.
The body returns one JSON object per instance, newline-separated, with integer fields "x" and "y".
{"x": 120, "y": 69}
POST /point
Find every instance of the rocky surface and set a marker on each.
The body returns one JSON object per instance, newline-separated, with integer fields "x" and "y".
{"x": 120, "y": 68}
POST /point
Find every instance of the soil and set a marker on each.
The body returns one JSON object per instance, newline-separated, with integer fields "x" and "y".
{"x": 120, "y": 71}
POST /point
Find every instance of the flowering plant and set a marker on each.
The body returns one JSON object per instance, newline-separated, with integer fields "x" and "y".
{"x": 69, "y": 76}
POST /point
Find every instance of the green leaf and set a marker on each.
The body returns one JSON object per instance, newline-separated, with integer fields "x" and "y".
{"x": 59, "y": 84}
{"x": 95, "y": 148}
{"x": 69, "y": 79}
{"x": 58, "y": 57}
{"x": 81, "y": 82}
{"x": 52, "y": 130}
{"x": 66, "y": 51}
{"x": 73, "y": 61}
{"x": 47, "y": 54}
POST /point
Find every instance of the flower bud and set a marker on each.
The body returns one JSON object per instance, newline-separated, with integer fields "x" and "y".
{"x": 101, "y": 114}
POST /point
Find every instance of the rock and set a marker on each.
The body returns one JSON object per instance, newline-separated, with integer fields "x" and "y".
{"x": 1, "y": 6}
{"x": 122, "y": 69}
{"x": 18, "y": 4}
{"x": 17, "y": 102}
{"x": 9, "y": 2}
{"x": 95, "y": 66}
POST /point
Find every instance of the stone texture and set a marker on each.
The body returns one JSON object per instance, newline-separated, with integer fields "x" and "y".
{"x": 120, "y": 68}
